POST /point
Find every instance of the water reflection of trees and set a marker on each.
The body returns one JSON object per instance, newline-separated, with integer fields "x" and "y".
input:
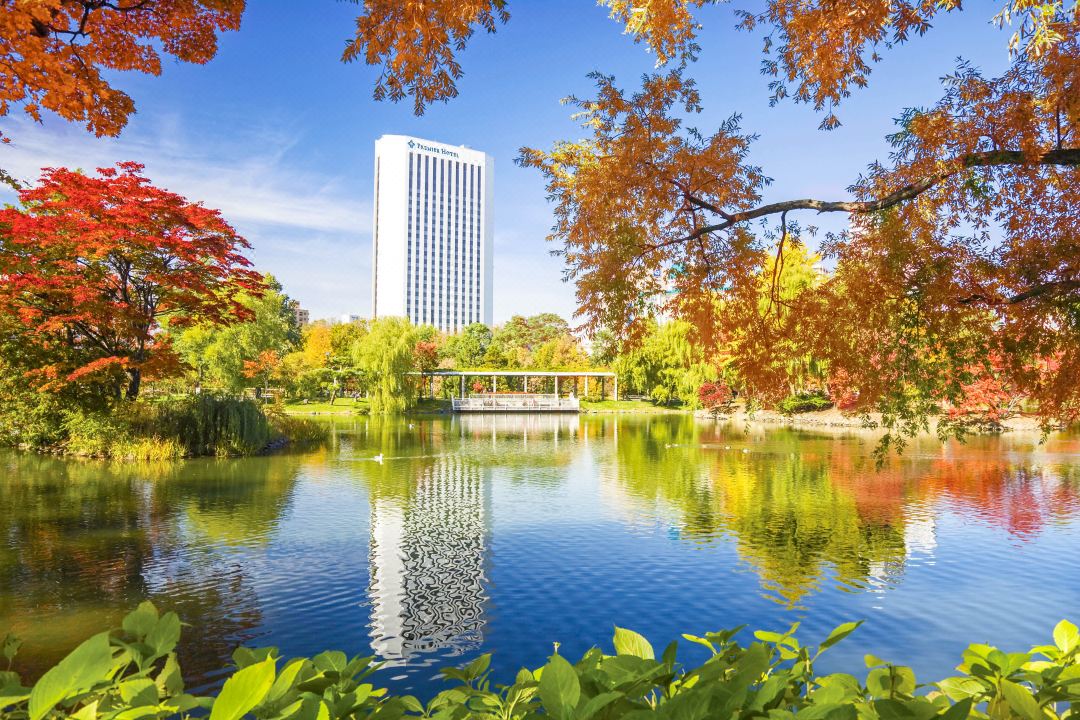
{"x": 82, "y": 542}
{"x": 806, "y": 508}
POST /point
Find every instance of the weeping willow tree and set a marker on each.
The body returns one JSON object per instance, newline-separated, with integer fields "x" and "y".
{"x": 668, "y": 366}
{"x": 386, "y": 355}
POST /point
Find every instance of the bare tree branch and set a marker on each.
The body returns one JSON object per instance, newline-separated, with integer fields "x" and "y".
{"x": 1046, "y": 288}
{"x": 1062, "y": 156}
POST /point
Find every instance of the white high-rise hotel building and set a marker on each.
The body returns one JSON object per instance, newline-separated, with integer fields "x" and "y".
{"x": 432, "y": 233}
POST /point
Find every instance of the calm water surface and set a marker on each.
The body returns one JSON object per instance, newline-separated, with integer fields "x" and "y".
{"x": 506, "y": 534}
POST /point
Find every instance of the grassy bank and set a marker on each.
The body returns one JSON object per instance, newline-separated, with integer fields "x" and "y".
{"x": 341, "y": 406}
{"x": 627, "y": 406}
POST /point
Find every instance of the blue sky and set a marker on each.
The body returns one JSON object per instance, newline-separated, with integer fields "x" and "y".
{"x": 279, "y": 134}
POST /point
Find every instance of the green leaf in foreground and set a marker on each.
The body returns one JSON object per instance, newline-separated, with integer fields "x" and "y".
{"x": 111, "y": 678}
{"x": 1021, "y": 701}
{"x": 560, "y": 689}
{"x": 87, "y": 665}
{"x": 243, "y": 691}
{"x": 628, "y": 642}
{"x": 841, "y": 632}
{"x": 1066, "y": 636}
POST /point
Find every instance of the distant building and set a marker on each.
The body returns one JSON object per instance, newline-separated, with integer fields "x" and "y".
{"x": 432, "y": 235}
{"x": 303, "y": 317}
{"x": 346, "y": 319}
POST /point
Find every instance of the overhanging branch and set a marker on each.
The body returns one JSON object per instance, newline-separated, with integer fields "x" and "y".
{"x": 1060, "y": 156}
{"x": 1053, "y": 287}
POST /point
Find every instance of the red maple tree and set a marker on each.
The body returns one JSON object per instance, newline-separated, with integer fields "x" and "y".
{"x": 715, "y": 396}
{"x": 426, "y": 355}
{"x": 94, "y": 266}
{"x": 987, "y": 398}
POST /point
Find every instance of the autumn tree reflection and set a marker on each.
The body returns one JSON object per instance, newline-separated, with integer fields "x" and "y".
{"x": 805, "y": 508}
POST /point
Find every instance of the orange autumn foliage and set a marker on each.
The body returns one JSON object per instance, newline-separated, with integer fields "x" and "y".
{"x": 263, "y": 367}
{"x": 962, "y": 247}
{"x": 415, "y": 42}
{"x": 54, "y": 53}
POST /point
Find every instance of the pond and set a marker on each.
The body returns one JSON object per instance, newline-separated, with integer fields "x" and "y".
{"x": 510, "y": 533}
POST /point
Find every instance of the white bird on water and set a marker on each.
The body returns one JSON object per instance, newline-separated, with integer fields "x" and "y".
{"x": 378, "y": 458}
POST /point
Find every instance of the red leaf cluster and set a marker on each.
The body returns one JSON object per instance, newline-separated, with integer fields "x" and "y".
{"x": 97, "y": 265}
{"x": 715, "y": 395}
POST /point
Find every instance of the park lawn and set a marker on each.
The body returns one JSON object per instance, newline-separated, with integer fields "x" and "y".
{"x": 341, "y": 406}
{"x": 429, "y": 406}
{"x": 627, "y": 406}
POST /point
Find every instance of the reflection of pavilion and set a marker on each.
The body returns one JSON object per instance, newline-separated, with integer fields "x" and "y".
{"x": 536, "y": 425}
{"x": 428, "y": 553}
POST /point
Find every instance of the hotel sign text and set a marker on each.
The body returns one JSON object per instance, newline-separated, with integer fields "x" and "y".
{"x": 432, "y": 149}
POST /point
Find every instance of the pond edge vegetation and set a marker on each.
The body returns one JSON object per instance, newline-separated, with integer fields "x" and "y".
{"x": 179, "y": 427}
{"x": 133, "y": 672}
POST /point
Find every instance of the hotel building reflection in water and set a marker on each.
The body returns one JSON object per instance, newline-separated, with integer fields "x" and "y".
{"x": 428, "y": 563}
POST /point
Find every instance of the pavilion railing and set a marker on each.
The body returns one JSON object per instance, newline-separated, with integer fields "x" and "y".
{"x": 516, "y": 402}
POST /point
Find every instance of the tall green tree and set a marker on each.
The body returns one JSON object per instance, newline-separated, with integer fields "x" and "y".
{"x": 386, "y": 356}
{"x": 218, "y": 354}
{"x": 513, "y": 343}
{"x": 561, "y": 353}
{"x": 605, "y": 348}
{"x": 785, "y": 362}
{"x": 471, "y": 345}
{"x": 668, "y": 365}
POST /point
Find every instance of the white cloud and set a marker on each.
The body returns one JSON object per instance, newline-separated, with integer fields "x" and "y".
{"x": 251, "y": 180}
{"x": 309, "y": 223}
{"x": 309, "y": 228}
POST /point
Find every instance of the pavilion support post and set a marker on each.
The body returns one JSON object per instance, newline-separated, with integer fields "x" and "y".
{"x": 556, "y": 389}
{"x": 494, "y": 389}
{"x": 586, "y": 379}
{"x": 525, "y": 384}
{"x": 616, "y": 388}
{"x": 462, "y": 395}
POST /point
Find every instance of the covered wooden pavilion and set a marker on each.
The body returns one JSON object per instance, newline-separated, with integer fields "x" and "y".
{"x": 525, "y": 375}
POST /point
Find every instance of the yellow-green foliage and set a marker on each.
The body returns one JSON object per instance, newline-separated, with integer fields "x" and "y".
{"x": 181, "y": 427}
{"x": 133, "y": 672}
{"x": 385, "y": 356}
{"x": 669, "y": 366}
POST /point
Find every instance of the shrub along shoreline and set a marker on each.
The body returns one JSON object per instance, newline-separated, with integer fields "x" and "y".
{"x": 133, "y": 672}
{"x": 165, "y": 429}
{"x": 832, "y": 418}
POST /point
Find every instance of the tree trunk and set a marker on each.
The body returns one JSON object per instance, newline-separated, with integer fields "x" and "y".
{"x": 134, "y": 381}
